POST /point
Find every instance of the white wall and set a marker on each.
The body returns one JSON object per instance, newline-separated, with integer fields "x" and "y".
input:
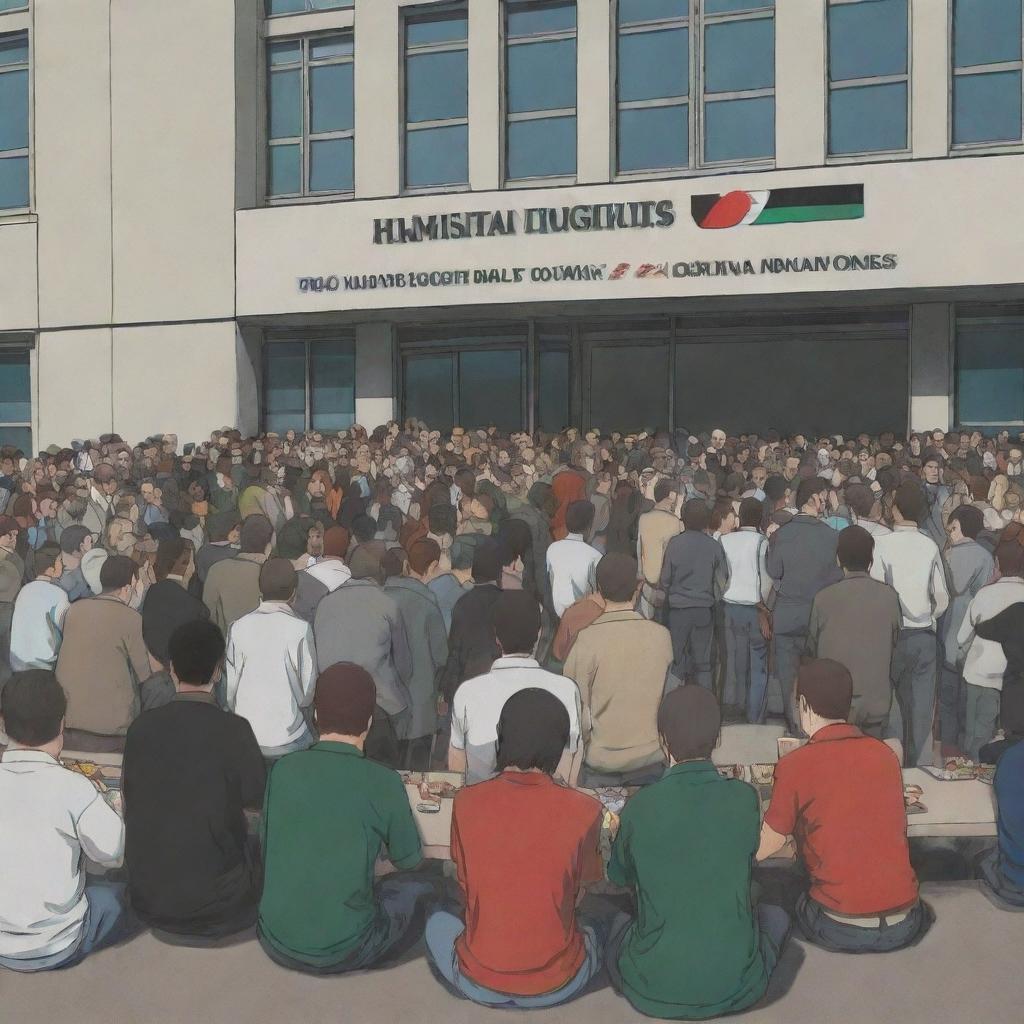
{"x": 75, "y": 398}
{"x": 19, "y": 308}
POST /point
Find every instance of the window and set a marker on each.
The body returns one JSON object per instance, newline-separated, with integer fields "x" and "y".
{"x": 13, "y": 5}
{"x": 540, "y": 89}
{"x": 15, "y": 400}
{"x": 990, "y": 373}
{"x": 301, "y": 6}
{"x": 437, "y": 99}
{"x": 309, "y": 384}
{"x": 868, "y": 76}
{"x": 728, "y": 59}
{"x": 310, "y": 116}
{"x": 986, "y": 72}
{"x": 14, "y": 121}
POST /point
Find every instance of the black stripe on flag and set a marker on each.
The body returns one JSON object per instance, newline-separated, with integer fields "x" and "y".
{"x": 700, "y": 206}
{"x": 816, "y": 195}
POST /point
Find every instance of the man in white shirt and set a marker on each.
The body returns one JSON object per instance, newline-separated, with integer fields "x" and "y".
{"x": 985, "y": 662}
{"x": 572, "y": 562}
{"x": 478, "y": 702}
{"x": 862, "y": 501}
{"x": 50, "y": 915}
{"x": 909, "y": 561}
{"x": 270, "y": 666}
{"x": 38, "y": 623}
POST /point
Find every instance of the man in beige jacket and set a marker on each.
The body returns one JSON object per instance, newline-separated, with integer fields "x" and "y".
{"x": 656, "y": 529}
{"x": 232, "y": 587}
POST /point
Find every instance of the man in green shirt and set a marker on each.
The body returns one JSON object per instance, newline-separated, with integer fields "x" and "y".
{"x": 328, "y": 814}
{"x": 685, "y": 845}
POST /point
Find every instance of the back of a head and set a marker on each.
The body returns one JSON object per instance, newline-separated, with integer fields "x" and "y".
{"x": 220, "y": 525}
{"x": 168, "y": 555}
{"x": 516, "y": 541}
{"x": 45, "y": 558}
{"x": 278, "y": 580}
{"x": 257, "y": 533}
{"x": 196, "y": 649}
{"x": 104, "y": 474}
{"x": 775, "y": 488}
{"x": 1010, "y": 556}
{"x": 441, "y": 520}
{"x": 827, "y": 686}
{"x": 293, "y": 537}
{"x": 579, "y": 517}
{"x": 486, "y": 561}
{"x": 663, "y": 488}
{"x": 365, "y": 528}
{"x": 617, "y": 577}
{"x": 392, "y": 563}
{"x": 423, "y": 554}
{"x": 465, "y": 480}
{"x": 73, "y": 537}
{"x": 751, "y": 512}
{"x": 33, "y": 706}
{"x": 336, "y": 542}
{"x": 344, "y": 700}
{"x": 860, "y": 499}
{"x": 463, "y": 551}
{"x": 808, "y": 489}
{"x": 117, "y": 572}
{"x": 516, "y": 618}
{"x": 696, "y": 515}
{"x": 971, "y": 521}
{"x": 689, "y": 721}
{"x": 856, "y": 549}
{"x": 533, "y": 731}
{"x": 910, "y": 501}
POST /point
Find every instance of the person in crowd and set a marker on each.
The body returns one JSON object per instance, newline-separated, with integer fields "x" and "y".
{"x": 37, "y": 626}
{"x": 576, "y": 619}
{"x": 100, "y": 508}
{"x": 694, "y": 906}
{"x": 364, "y": 559}
{"x": 448, "y": 587}
{"x": 12, "y": 574}
{"x": 223, "y": 531}
{"x": 936, "y": 495}
{"x": 75, "y": 542}
{"x": 190, "y": 771}
{"x": 840, "y": 784}
{"x": 909, "y": 561}
{"x": 477, "y": 705}
{"x": 520, "y": 944}
{"x": 232, "y": 587}
{"x": 327, "y": 814}
{"x": 694, "y": 576}
{"x": 622, "y": 664}
{"x": 656, "y": 529}
{"x": 571, "y": 560}
{"x": 325, "y": 575}
{"x": 270, "y": 667}
{"x": 51, "y": 913}
{"x": 864, "y": 503}
{"x": 568, "y": 486}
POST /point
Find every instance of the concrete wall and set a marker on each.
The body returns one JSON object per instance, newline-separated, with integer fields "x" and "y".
{"x": 75, "y": 398}
{"x": 932, "y": 345}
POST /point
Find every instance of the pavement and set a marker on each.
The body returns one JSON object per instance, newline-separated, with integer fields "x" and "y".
{"x": 968, "y": 967}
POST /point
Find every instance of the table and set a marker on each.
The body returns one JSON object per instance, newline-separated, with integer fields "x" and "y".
{"x": 955, "y": 809}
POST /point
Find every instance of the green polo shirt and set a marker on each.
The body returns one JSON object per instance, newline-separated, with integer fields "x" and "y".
{"x": 327, "y": 814}
{"x": 686, "y": 845}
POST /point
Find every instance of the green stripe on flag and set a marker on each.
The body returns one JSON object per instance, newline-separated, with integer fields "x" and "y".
{"x": 803, "y": 214}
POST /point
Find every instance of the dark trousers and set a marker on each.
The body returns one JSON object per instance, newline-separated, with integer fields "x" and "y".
{"x": 92, "y": 743}
{"x": 914, "y": 678}
{"x": 991, "y": 873}
{"x": 746, "y": 676}
{"x": 693, "y": 634}
{"x": 838, "y": 937}
{"x": 415, "y": 754}
{"x": 951, "y": 701}
{"x": 382, "y": 743}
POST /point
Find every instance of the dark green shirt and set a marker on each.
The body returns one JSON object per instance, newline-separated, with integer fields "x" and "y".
{"x": 327, "y": 814}
{"x": 686, "y": 845}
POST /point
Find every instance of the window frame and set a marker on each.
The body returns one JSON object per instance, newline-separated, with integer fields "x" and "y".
{"x": 871, "y": 155}
{"x": 20, "y": 26}
{"x": 11, "y": 345}
{"x": 307, "y": 9}
{"x": 986, "y": 320}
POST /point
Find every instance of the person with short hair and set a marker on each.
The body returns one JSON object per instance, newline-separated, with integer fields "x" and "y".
{"x": 100, "y": 508}
{"x": 190, "y": 771}
{"x": 51, "y": 913}
{"x": 656, "y": 529}
{"x": 223, "y": 531}
{"x": 685, "y": 846}
{"x": 232, "y": 587}
{"x": 448, "y": 587}
{"x": 12, "y": 575}
{"x": 516, "y": 623}
{"x": 524, "y": 848}
{"x": 39, "y": 612}
{"x": 839, "y": 785}
{"x": 328, "y": 813}
{"x": 324, "y": 577}
{"x": 75, "y": 542}
{"x": 571, "y": 561}
{"x": 862, "y": 501}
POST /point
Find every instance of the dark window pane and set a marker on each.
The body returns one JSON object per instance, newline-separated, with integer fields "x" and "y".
{"x": 732, "y": 6}
{"x": 653, "y": 137}
{"x": 15, "y": 388}
{"x": 288, "y": 51}
{"x": 330, "y": 98}
{"x": 331, "y": 46}
{"x": 13, "y": 182}
{"x": 739, "y": 129}
{"x": 542, "y": 148}
{"x": 331, "y": 165}
{"x": 429, "y": 392}
{"x": 739, "y": 55}
{"x": 437, "y": 86}
{"x": 867, "y": 39}
{"x": 437, "y": 156}
{"x": 654, "y": 65}
{"x": 868, "y": 119}
{"x": 990, "y": 373}
{"x": 14, "y": 110}
{"x": 542, "y": 76}
{"x": 490, "y": 389}
{"x": 524, "y": 18}
{"x": 17, "y": 437}
{"x": 633, "y": 11}
{"x": 553, "y": 392}
{"x": 285, "y": 104}
{"x": 285, "y": 170}
{"x": 987, "y": 108}
{"x": 284, "y": 400}
{"x": 629, "y": 388}
{"x": 332, "y": 376}
{"x": 327, "y": 5}
{"x": 986, "y": 32}
{"x": 436, "y": 30}
{"x": 14, "y": 48}
{"x": 285, "y": 6}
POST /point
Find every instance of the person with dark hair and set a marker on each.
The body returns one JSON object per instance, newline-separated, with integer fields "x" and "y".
{"x": 75, "y": 541}
{"x": 100, "y": 508}
{"x": 366, "y": 555}
{"x": 190, "y": 771}
{"x": 232, "y": 587}
{"x": 863, "y": 502}
{"x": 51, "y": 913}
{"x": 328, "y": 812}
{"x": 325, "y": 575}
{"x": 516, "y": 543}
{"x": 694, "y": 576}
{"x": 910, "y": 562}
{"x": 521, "y": 944}
{"x": 778, "y": 494}
{"x": 39, "y": 612}
{"x": 843, "y": 784}
{"x": 656, "y": 528}
{"x": 694, "y": 905}
{"x": 448, "y": 587}
{"x": 857, "y": 623}
{"x": 571, "y": 561}
{"x": 515, "y": 623}
{"x": 223, "y": 531}
{"x": 12, "y": 574}
{"x": 270, "y": 666}
{"x": 936, "y": 494}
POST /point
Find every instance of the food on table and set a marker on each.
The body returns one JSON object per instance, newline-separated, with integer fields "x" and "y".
{"x": 912, "y": 794}
{"x": 762, "y": 774}
{"x": 987, "y": 773}
{"x": 613, "y": 798}
{"x": 730, "y": 771}
{"x": 953, "y": 769}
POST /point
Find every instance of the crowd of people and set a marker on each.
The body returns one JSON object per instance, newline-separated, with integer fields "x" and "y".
{"x": 280, "y": 623}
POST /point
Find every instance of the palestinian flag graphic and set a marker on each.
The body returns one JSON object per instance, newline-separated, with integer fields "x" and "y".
{"x": 779, "y": 206}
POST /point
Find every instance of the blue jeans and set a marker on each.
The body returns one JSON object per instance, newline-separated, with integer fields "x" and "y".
{"x": 107, "y": 920}
{"x": 746, "y": 674}
{"x": 443, "y": 930}
{"x": 992, "y": 874}
{"x": 838, "y": 937}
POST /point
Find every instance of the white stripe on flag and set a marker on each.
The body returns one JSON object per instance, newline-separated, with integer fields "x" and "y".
{"x": 757, "y": 201}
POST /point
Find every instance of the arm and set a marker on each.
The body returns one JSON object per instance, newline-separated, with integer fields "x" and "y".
{"x": 940, "y": 595}
{"x": 252, "y": 769}
{"x": 402, "y": 838}
{"x": 581, "y": 668}
{"x": 400, "y": 648}
{"x": 722, "y": 574}
{"x": 771, "y": 842}
{"x": 814, "y": 627}
{"x": 998, "y": 629}
{"x": 138, "y": 655}
{"x": 306, "y": 669}
{"x": 101, "y": 833}
{"x": 457, "y": 740}
{"x": 233, "y": 663}
{"x": 764, "y": 575}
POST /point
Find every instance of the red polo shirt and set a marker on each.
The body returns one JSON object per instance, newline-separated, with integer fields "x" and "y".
{"x": 841, "y": 798}
{"x": 523, "y": 845}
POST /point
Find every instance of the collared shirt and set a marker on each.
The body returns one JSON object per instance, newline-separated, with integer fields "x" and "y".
{"x": 572, "y": 567}
{"x": 270, "y": 675}
{"x": 49, "y": 817}
{"x": 328, "y": 811}
{"x": 909, "y": 561}
{"x": 685, "y": 846}
{"x": 875, "y": 529}
{"x": 746, "y": 551}
{"x": 985, "y": 663}
{"x": 38, "y": 625}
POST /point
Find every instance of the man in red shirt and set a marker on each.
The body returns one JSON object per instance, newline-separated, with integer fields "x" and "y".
{"x": 524, "y": 847}
{"x": 567, "y": 485}
{"x": 840, "y": 798}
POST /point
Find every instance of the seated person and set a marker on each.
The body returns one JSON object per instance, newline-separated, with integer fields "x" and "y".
{"x": 328, "y": 812}
{"x": 523, "y": 848}
{"x": 190, "y": 770}
{"x": 50, "y": 914}
{"x": 685, "y": 846}
{"x": 840, "y": 797}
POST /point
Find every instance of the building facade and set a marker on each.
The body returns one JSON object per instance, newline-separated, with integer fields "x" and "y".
{"x": 654, "y": 214}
